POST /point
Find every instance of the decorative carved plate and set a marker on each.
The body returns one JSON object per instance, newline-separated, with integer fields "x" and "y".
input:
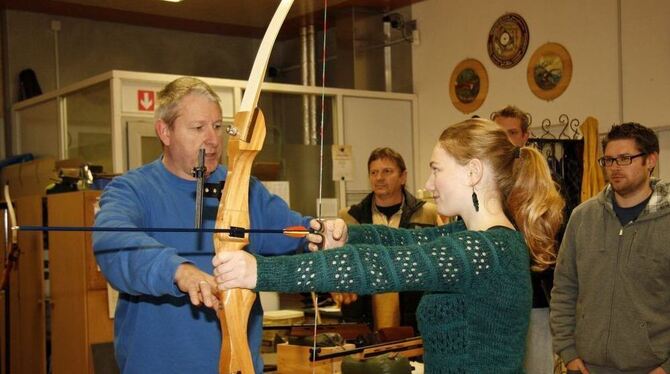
{"x": 508, "y": 40}
{"x": 468, "y": 85}
{"x": 549, "y": 71}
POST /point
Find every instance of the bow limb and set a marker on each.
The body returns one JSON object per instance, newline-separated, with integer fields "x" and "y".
{"x": 246, "y": 141}
{"x": 13, "y": 242}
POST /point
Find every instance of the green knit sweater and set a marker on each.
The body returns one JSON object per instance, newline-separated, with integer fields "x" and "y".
{"x": 474, "y": 314}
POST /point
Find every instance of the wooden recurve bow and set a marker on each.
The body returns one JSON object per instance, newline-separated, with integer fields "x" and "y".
{"x": 247, "y": 136}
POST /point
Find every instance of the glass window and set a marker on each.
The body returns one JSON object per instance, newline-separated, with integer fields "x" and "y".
{"x": 89, "y": 125}
{"x": 39, "y": 129}
{"x": 291, "y": 150}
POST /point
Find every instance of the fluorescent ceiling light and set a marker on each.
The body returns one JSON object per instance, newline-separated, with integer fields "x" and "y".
{"x": 174, "y": 1}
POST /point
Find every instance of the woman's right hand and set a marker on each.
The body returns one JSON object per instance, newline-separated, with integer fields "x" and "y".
{"x": 332, "y": 233}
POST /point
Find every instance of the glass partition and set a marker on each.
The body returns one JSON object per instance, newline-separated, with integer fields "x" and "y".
{"x": 285, "y": 156}
{"x": 39, "y": 129}
{"x": 89, "y": 125}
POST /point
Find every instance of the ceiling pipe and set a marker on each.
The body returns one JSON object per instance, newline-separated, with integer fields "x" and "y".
{"x": 311, "y": 46}
{"x": 304, "y": 70}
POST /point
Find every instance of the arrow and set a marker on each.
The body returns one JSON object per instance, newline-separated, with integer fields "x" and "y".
{"x": 236, "y": 232}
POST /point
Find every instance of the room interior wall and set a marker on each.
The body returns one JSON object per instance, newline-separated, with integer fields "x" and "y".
{"x": 87, "y": 48}
{"x": 450, "y": 31}
{"x": 646, "y": 57}
{"x": 454, "y": 30}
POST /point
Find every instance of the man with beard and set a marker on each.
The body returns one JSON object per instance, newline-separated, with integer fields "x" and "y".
{"x": 610, "y": 302}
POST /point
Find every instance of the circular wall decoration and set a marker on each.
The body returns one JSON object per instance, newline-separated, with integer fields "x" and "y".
{"x": 508, "y": 40}
{"x": 468, "y": 85}
{"x": 549, "y": 71}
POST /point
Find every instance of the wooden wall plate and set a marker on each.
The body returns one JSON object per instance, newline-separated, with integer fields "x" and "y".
{"x": 468, "y": 85}
{"x": 508, "y": 40}
{"x": 549, "y": 71}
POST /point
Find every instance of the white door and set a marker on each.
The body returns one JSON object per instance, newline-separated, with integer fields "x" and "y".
{"x": 143, "y": 144}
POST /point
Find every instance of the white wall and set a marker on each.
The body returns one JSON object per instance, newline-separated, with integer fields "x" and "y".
{"x": 457, "y": 29}
{"x": 450, "y": 31}
{"x": 646, "y": 61}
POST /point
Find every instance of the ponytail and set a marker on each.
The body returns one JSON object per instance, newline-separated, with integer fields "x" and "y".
{"x": 530, "y": 198}
{"x": 535, "y": 206}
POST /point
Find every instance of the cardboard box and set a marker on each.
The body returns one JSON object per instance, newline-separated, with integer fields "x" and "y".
{"x": 29, "y": 178}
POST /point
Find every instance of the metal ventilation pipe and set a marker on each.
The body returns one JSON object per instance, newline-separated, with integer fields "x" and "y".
{"x": 304, "y": 70}
{"x": 312, "y": 82}
{"x": 388, "y": 78}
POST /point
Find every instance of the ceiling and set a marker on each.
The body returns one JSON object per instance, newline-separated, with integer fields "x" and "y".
{"x": 230, "y": 17}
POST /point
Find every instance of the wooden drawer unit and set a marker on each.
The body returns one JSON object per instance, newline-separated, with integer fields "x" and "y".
{"x": 79, "y": 314}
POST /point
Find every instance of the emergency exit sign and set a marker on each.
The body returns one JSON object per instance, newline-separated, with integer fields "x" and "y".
{"x": 145, "y": 100}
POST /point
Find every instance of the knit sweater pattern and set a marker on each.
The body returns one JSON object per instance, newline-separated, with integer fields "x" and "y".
{"x": 474, "y": 315}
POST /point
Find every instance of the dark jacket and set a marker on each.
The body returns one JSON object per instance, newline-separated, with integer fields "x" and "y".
{"x": 415, "y": 213}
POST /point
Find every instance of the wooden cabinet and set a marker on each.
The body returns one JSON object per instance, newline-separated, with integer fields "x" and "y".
{"x": 79, "y": 312}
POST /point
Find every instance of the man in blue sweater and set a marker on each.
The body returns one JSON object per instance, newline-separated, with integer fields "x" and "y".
{"x": 165, "y": 319}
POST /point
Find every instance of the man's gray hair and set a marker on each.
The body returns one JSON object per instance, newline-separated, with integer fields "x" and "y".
{"x": 170, "y": 96}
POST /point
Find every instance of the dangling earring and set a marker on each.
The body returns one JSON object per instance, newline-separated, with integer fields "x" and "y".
{"x": 475, "y": 200}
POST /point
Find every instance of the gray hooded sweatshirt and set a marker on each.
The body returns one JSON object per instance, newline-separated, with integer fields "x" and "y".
{"x": 610, "y": 305}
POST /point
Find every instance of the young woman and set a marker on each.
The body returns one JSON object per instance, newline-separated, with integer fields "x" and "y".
{"x": 475, "y": 274}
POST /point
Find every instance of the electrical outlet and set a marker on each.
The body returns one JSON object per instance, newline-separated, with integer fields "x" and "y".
{"x": 415, "y": 37}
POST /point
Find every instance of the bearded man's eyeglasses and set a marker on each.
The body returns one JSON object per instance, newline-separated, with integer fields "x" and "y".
{"x": 621, "y": 160}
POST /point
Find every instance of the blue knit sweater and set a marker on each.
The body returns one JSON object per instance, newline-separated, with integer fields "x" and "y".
{"x": 157, "y": 330}
{"x": 474, "y": 315}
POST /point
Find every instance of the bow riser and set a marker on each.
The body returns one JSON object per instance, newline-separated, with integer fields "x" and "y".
{"x": 235, "y": 357}
{"x": 234, "y": 206}
{"x": 237, "y": 303}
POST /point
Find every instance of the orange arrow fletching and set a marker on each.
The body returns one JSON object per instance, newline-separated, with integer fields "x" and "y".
{"x": 296, "y": 231}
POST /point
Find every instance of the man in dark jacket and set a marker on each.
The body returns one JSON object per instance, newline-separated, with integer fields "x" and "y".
{"x": 388, "y": 204}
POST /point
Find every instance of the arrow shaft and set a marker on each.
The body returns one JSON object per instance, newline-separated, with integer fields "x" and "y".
{"x": 156, "y": 229}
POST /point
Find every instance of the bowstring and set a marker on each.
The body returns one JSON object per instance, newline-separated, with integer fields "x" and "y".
{"x": 321, "y": 132}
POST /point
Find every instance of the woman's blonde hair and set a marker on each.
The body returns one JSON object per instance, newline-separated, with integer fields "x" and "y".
{"x": 530, "y": 198}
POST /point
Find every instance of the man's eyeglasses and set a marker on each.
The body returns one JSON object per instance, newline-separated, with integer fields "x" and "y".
{"x": 621, "y": 160}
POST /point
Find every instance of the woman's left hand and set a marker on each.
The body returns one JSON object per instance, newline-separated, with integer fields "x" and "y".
{"x": 235, "y": 269}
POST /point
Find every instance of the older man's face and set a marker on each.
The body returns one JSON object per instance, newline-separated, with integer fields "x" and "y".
{"x": 198, "y": 126}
